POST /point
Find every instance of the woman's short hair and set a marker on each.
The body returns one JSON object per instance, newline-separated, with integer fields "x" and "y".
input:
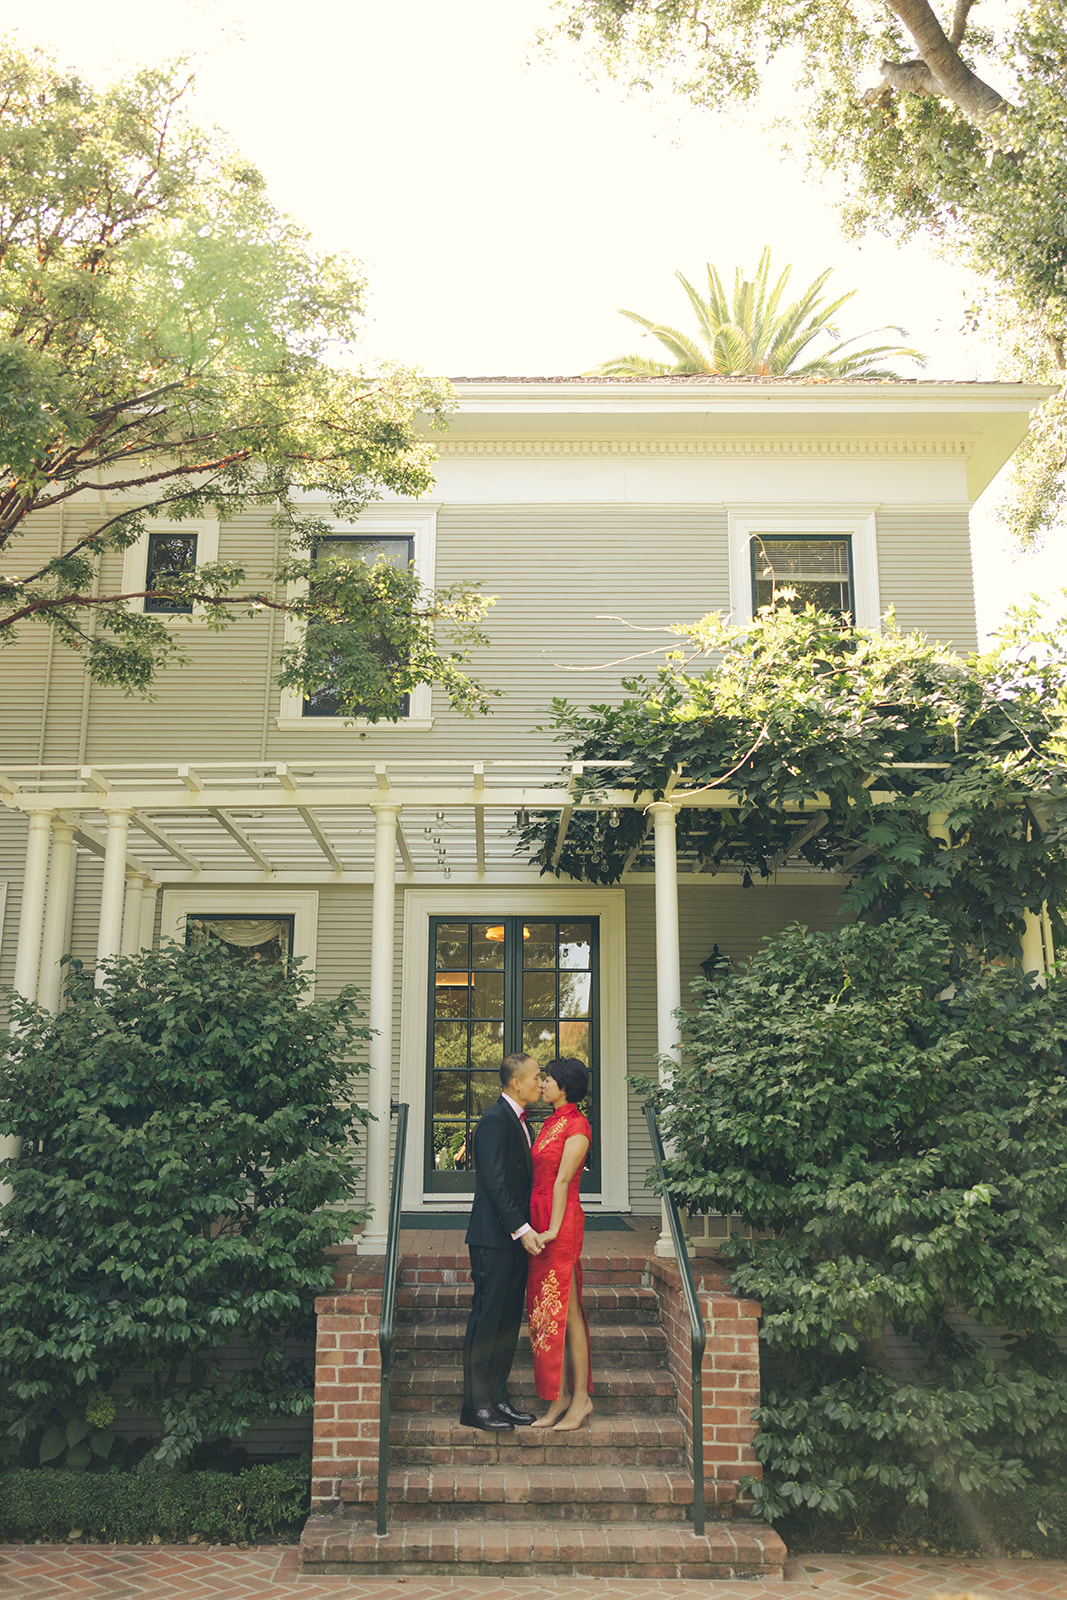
{"x": 572, "y": 1076}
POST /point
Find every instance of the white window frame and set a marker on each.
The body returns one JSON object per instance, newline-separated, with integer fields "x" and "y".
{"x": 418, "y": 523}
{"x": 531, "y": 903}
{"x": 858, "y": 522}
{"x": 300, "y": 904}
{"x": 135, "y": 561}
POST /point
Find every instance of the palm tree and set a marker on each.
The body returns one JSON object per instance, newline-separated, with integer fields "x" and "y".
{"x": 755, "y": 335}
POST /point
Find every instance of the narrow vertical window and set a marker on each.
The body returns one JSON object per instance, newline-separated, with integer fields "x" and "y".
{"x": 170, "y": 556}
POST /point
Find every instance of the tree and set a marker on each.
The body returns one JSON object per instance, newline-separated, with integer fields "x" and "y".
{"x": 754, "y": 334}
{"x": 958, "y": 131}
{"x": 840, "y": 747}
{"x": 893, "y": 1122}
{"x": 167, "y": 335}
{"x": 186, "y": 1159}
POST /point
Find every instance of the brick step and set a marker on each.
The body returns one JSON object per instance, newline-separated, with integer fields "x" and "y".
{"x": 561, "y": 1494}
{"x": 597, "y": 1267}
{"x": 333, "y": 1543}
{"x": 603, "y": 1303}
{"x": 644, "y": 1342}
{"x": 437, "y": 1439}
{"x": 617, "y": 1389}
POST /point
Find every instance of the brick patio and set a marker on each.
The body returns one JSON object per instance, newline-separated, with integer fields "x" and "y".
{"x": 270, "y": 1572}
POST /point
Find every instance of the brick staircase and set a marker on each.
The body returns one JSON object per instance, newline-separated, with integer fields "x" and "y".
{"x": 612, "y": 1499}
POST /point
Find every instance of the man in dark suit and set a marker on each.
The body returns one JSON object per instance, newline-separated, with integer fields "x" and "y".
{"x": 500, "y": 1240}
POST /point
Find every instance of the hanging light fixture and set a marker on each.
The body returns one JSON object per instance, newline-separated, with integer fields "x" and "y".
{"x": 613, "y": 817}
{"x": 716, "y": 965}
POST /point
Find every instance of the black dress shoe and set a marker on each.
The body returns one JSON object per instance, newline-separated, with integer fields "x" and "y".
{"x": 486, "y": 1419}
{"x": 518, "y": 1419}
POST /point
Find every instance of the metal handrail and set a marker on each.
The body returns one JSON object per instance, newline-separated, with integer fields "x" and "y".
{"x": 386, "y": 1328}
{"x": 696, "y": 1320}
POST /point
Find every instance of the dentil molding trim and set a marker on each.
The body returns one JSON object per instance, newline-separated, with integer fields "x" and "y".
{"x": 959, "y": 448}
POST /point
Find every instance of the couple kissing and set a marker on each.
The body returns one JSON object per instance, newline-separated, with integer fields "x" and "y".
{"x": 525, "y": 1240}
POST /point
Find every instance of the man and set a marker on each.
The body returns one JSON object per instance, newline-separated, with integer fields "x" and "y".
{"x": 500, "y": 1240}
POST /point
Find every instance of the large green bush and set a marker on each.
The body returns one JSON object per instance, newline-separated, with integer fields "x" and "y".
{"x": 187, "y": 1157}
{"x": 894, "y": 1120}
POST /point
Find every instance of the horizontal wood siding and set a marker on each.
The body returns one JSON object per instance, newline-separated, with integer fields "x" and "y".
{"x": 737, "y": 920}
{"x": 558, "y": 573}
{"x": 924, "y": 572}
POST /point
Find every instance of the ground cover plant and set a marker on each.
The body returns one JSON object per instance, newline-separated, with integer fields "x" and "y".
{"x": 187, "y": 1157}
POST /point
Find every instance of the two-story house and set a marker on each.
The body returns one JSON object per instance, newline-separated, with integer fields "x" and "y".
{"x": 385, "y": 855}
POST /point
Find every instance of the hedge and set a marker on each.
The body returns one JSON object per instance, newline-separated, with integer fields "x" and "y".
{"x": 133, "y": 1507}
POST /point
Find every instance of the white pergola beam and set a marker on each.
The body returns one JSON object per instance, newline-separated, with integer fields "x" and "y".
{"x": 312, "y": 825}
{"x": 163, "y": 839}
{"x": 236, "y": 832}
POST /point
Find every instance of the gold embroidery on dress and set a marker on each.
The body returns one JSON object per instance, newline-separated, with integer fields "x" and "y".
{"x": 545, "y": 1313}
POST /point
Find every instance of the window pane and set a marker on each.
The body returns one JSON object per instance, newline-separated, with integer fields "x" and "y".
{"x": 487, "y": 945}
{"x": 539, "y": 1041}
{"x": 450, "y": 1045}
{"x": 169, "y": 555}
{"x": 487, "y": 1045}
{"x": 450, "y": 1146}
{"x": 399, "y": 552}
{"x": 451, "y": 999}
{"x": 575, "y": 993}
{"x": 450, "y": 945}
{"x": 574, "y": 1040}
{"x": 487, "y": 996}
{"x": 575, "y": 945}
{"x": 539, "y": 994}
{"x": 539, "y": 949}
{"x": 818, "y": 569}
{"x": 485, "y": 1090}
{"x": 449, "y": 1094}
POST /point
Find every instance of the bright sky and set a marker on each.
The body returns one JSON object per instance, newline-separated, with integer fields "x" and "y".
{"x": 504, "y": 206}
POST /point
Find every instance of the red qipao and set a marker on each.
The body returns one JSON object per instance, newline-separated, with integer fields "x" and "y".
{"x": 548, "y": 1285}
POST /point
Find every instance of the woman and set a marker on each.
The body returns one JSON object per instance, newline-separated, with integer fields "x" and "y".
{"x": 558, "y": 1329}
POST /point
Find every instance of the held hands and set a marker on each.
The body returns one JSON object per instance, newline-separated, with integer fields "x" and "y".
{"x": 531, "y": 1242}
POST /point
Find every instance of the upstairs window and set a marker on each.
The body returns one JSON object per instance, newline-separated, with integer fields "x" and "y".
{"x": 818, "y": 571}
{"x": 398, "y": 551}
{"x": 170, "y": 555}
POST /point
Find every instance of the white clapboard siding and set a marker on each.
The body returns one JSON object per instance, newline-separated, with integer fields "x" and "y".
{"x": 924, "y": 572}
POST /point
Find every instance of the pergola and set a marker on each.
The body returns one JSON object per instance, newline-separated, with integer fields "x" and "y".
{"x": 322, "y": 822}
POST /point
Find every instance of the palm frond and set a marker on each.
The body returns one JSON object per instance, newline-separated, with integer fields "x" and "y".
{"x": 732, "y": 353}
{"x": 631, "y": 367}
{"x": 705, "y": 312}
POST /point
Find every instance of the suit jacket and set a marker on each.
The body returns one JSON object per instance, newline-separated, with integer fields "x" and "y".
{"x": 503, "y": 1178}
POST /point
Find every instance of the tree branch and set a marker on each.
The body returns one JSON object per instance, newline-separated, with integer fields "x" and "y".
{"x": 58, "y": 602}
{"x": 941, "y": 70}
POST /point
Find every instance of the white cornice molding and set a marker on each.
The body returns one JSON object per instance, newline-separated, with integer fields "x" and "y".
{"x": 802, "y": 445}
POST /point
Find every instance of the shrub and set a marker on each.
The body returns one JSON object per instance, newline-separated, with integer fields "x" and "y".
{"x": 131, "y": 1507}
{"x": 185, "y": 1130}
{"x": 895, "y": 1120}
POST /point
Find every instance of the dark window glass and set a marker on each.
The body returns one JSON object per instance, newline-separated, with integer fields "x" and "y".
{"x": 399, "y": 552}
{"x": 497, "y": 986}
{"x": 170, "y": 555}
{"x": 818, "y": 571}
{"x": 266, "y": 939}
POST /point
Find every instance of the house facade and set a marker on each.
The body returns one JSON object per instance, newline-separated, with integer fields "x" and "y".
{"x": 597, "y": 512}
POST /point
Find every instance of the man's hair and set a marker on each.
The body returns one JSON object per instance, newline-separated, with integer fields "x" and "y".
{"x": 512, "y": 1065}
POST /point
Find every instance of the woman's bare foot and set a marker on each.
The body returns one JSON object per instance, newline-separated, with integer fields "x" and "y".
{"x": 580, "y": 1408}
{"x": 557, "y": 1409}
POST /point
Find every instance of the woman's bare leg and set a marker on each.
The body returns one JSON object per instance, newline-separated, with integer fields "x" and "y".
{"x": 578, "y": 1361}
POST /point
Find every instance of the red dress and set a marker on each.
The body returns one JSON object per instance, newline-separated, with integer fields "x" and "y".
{"x": 548, "y": 1286}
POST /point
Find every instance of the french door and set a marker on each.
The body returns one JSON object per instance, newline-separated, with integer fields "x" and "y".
{"x": 498, "y": 985}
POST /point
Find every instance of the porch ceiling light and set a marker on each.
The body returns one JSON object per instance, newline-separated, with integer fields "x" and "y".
{"x": 716, "y": 965}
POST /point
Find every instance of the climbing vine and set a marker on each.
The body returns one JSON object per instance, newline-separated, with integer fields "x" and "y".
{"x": 933, "y": 782}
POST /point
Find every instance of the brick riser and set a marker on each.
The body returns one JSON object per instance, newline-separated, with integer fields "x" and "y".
{"x": 612, "y": 1499}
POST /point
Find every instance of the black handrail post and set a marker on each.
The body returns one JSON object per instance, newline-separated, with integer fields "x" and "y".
{"x": 698, "y": 1336}
{"x": 385, "y": 1330}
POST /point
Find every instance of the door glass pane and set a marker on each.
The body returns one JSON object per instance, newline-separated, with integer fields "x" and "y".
{"x": 449, "y": 1094}
{"x": 485, "y": 1088}
{"x": 487, "y": 945}
{"x": 575, "y": 993}
{"x": 450, "y": 1046}
{"x": 451, "y": 1000}
{"x": 449, "y": 1146}
{"x": 574, "y": 1040}
{"x": 451, "y": 945}
{"x": 539, "y": 1041}
{"x": 575, "y": 944}
{"x": 539, "y": 994}
{"x": 539, "y": 949}
{"x": 487, "y": 994}
{"x": 487, "y": 1045}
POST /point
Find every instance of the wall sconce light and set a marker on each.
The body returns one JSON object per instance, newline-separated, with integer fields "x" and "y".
{"x": 716, "y": 965}
{"x": 522, "y": 817}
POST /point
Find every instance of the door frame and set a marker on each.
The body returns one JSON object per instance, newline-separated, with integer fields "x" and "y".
{"x": 530, "y": 902}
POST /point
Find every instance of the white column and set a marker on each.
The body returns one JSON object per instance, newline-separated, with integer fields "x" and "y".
{"x": 113, "y": 892}
{"x": 56, "y": 916}
{"x": 148, "y": 916}
{"x": 131, "y": 914}
{"x": 379, "y": 1099}
{"x": 1033, "y": 953}
{"x": 668, "y": 959}
{"x": 31, "y": 919}
{"x": 28, "y": 948}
